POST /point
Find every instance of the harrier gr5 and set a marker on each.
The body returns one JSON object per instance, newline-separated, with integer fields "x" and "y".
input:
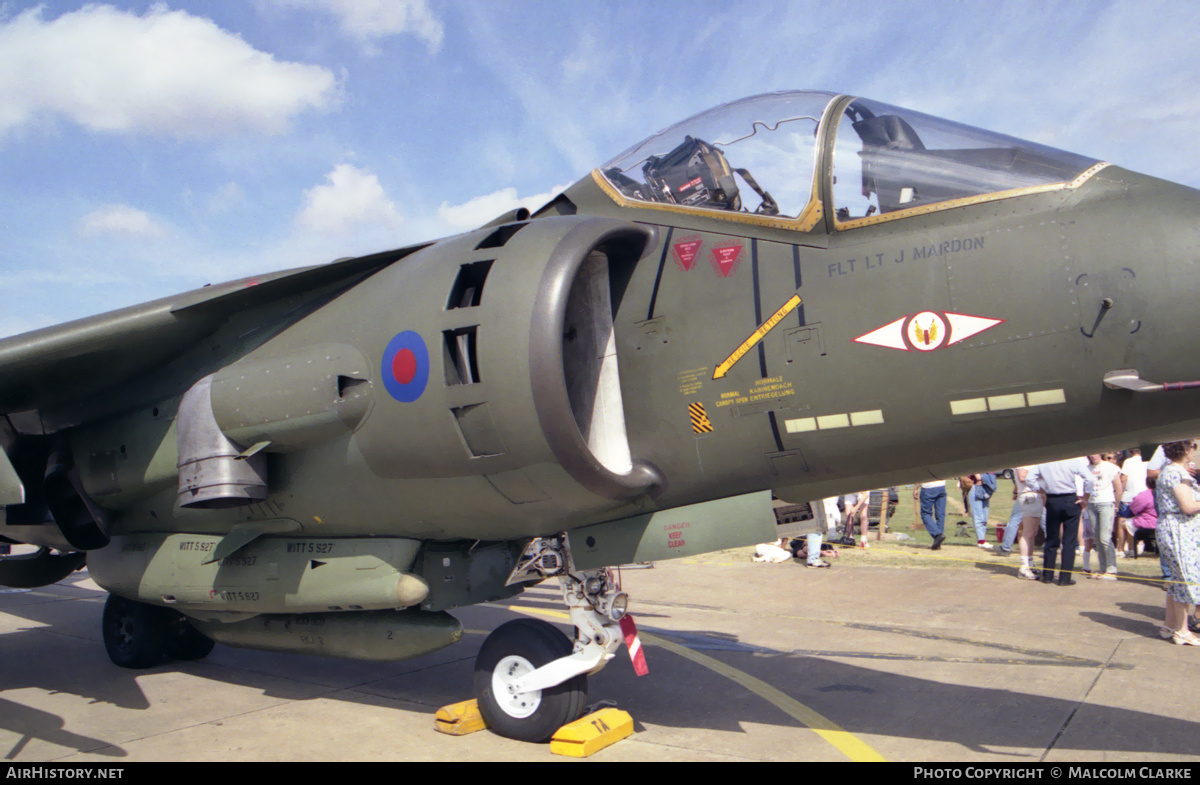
{"x": 790, "y": 296}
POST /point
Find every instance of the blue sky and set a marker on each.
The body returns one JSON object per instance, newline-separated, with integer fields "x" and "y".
{"x": 150, "y": 148}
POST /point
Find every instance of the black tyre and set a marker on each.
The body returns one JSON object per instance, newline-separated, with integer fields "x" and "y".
{"x": 135, "y": 634}
{"x": 514, "y": 649}
{"x": 185, "y": 642}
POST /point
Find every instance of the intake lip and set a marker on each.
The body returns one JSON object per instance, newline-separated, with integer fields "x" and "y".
{"x": 618, "y": 240}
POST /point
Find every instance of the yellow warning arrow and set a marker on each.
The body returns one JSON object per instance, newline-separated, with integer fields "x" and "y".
{"x": 792, "y": 304}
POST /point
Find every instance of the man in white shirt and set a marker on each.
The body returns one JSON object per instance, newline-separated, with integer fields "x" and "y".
{"x": 1133, "y": 482}
{"x": 1063, "y": 507}
{"x": 1133, "y": 476}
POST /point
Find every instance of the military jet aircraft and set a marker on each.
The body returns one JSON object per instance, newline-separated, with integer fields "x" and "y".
{"x": 791, "y": 296}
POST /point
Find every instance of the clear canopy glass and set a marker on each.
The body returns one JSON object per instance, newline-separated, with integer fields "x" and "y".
{"x": 887, "y": 159}
{"x": 755, "y": 155}
{"x": 760, "y": 156}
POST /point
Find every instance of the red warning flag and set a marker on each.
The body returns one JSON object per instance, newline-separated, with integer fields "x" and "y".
{"x": 636, "y": 655}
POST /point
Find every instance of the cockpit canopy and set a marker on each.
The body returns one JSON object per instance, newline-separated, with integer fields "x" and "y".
{"x": 763, "y": 156}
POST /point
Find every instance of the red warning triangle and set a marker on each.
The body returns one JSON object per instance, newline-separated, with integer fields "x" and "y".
{"x": 685, "y": 252}
{"x": 725, "y": 259}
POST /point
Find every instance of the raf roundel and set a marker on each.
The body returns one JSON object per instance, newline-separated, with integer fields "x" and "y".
{"x": 405, "y": 367}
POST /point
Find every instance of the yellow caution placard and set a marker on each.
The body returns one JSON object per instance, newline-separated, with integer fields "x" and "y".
{"x": 459, "y": 719}
{"x": 792, "y": 304}
{"x": 700, "y": 421}
{"x": 588, "y": 735}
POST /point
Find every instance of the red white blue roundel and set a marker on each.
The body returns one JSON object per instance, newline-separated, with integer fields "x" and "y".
{"x": 405, "y": 367}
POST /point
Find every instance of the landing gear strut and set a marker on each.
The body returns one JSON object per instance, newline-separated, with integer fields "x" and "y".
{"x": 530, "y": 679}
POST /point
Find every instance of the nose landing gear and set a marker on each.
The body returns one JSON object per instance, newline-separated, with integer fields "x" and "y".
{"x": 510, "y": 654}
{"x": 530, "y": 679}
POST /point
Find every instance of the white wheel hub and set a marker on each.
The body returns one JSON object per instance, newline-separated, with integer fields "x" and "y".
{"x": 504, "y": 678}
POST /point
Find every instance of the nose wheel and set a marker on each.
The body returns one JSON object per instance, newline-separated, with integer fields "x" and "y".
{"x": 514, "y": 650}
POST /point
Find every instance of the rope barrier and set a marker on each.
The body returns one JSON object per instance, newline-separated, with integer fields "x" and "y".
{"x": 915, "y": 549}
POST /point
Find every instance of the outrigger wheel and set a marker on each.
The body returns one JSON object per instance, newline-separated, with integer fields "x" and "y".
{"x": 511, "y": 651}
{"x": 137, "y": 635}
{"x": 134, "y": 632}
{"x": 185, "y": 642}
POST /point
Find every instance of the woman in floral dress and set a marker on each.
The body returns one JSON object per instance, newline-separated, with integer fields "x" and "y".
{"x": 1178, "y": 542}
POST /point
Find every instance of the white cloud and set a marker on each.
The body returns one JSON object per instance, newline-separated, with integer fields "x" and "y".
{"x": 226, "y": 198}
{"x": 166, "y": 72}
{"x": 481, "y": 209}
{"x": 350, "y": 198}
{"x": 120, "y": 219}
{"x": 371, "y": 19}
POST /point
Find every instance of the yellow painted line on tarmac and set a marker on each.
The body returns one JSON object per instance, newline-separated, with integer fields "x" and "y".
{"x": 847, "y": 743}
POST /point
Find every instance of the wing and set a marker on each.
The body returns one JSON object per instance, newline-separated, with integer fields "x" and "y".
{"x": 54, "y": 366}
{"x": 69, "y": 374}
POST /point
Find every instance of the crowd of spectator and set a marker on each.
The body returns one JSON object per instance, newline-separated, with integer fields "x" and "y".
{"x": 1110, "y": 506}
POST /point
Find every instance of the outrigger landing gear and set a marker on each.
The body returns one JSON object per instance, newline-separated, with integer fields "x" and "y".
{"x": 137, "y": 635}
{"x": 530, "y": 679}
